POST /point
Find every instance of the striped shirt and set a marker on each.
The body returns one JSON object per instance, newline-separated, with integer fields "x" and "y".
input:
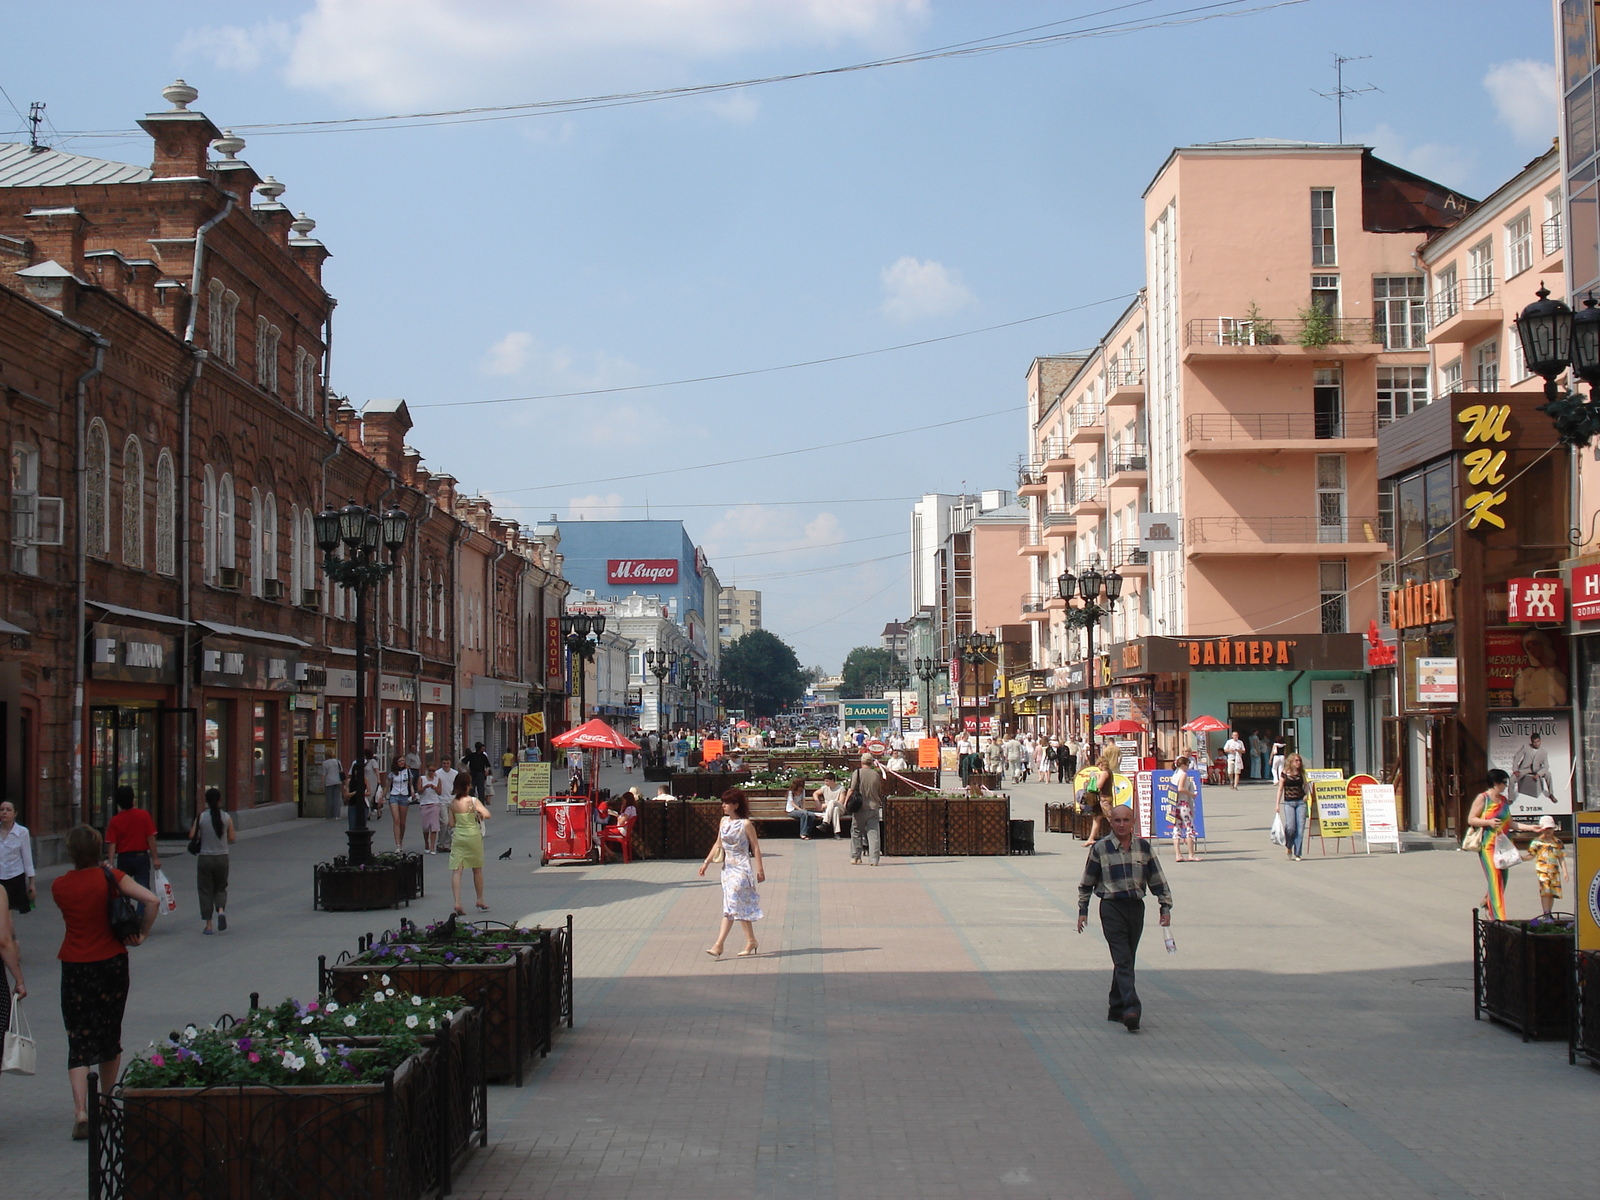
{"x": 1113, "y": 873}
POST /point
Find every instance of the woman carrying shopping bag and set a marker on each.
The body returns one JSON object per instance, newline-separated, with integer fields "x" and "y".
{"x": 11, "y": 975}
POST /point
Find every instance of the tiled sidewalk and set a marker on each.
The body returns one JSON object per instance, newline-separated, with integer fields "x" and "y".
{"x": 934, "y": 1028}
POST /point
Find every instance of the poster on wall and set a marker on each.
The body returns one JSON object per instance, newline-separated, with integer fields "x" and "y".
{"x": 1525, "y": 668}
{"x": 1535, "y": 749}
{"x": 1163, "y": 796}
{"x": 1436, "y": 681}
{"x": 1586, "y": 899}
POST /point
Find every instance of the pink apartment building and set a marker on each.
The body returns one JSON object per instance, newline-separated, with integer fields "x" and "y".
{"x": 1236, "y": 406}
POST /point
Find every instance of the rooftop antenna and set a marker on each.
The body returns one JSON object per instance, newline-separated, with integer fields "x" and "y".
{"x": 1340, "y": 92}
{"x": 35, "y": 119}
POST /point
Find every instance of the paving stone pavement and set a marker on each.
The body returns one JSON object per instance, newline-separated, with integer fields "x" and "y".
{"x": 934, "y": 1028}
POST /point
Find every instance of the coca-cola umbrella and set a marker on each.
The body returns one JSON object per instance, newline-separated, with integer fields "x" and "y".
{"x": 1204, "y": 725}
{"x": 1122, "y": 726}
{"x": 594, "y": 734}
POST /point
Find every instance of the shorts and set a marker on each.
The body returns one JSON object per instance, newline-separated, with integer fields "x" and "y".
{"x": 430, "y": 818}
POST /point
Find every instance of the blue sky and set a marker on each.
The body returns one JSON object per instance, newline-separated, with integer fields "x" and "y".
{"x": 702, "y": 235}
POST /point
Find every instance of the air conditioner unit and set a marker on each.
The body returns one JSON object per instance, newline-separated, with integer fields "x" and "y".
{"x": 272, "y": 589}
{"x": 310, "y": 598}
{"x": 230, "y": 577}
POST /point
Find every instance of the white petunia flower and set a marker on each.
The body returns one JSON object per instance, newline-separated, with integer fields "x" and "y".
{"x": 333, "y": 1006}
{"x": 416, "y": 1001}
{"x": 411, "y": 1021}
{"x": 292, "y": 1061}
{"x": 389, "y": 993}
{"x": 350, "y": 1019}
{"x": 307, "y": 1020}
{"x": 384, "y": 981}
{"x": 189, "y": 1031}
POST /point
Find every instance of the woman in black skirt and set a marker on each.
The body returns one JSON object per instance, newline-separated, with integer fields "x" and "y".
{"x": 94, "y": 967}
{"x": 11, "y": 957}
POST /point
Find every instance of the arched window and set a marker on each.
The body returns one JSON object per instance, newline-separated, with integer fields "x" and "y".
{"x": 256, "y": 524}
{"x": 269, "y": 537}
{"x": 296, "y": 578}
{"x": 267, "y": 337}
{"x": 133, "y": 503}
{"x": 226, "y": 547}
{"x": 216, "y": 320}
{"x": 308, "y": 548}
{"x": 97, "y": 532}
{"x": 166, "y": 515}
{"x": 230, "y": 328}
{"x": 208, "y": 524}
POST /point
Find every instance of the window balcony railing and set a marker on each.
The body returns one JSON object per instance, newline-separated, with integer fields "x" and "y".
{"x": 1467, "y": 295}
{"x": 1087, "y": 416}
{"x": 1553, "y": 235}
{"x": 1034, "y": 602}
{"x": 1310, "y": 333}
{"x": 1205, "y": 531}
{"x": 1127, "y": 553}
{"x": 1088, "y": 491}
{"x": 1126, "y": 374}
{"x": 1280, "y": 427}
{"x": 1057, "y": 517}
{"x": 1030, "y": 474}
{"x": 1130, "y": 456}
{"x": 1055, "y": 449}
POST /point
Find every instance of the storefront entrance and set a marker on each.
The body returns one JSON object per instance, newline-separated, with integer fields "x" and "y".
{"x": 1338, "y": 735}
{"x": 149, "y": 749}
{"x": 1264, "y": 718}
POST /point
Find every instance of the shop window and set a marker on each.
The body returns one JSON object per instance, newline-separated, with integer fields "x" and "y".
{"x": 260, "y": 748}
{"x": 215, "y": 746}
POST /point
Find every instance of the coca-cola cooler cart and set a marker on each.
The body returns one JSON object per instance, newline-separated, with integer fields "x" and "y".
{"x": 569, "y": 831}
{"x": 569, "y": 826}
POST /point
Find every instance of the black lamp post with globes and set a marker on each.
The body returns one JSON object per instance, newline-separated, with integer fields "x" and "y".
{"x": 360, "y": 532}
{"x": 1554, "y": 338}
{"x": 583, "y": 640}
{"x": 1088, "y": 587}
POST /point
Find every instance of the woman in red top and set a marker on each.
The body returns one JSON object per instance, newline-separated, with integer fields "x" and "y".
{"x": 94, "y": 967}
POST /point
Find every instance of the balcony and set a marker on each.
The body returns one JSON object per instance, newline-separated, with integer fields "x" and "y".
{"x": 1238, "y": 339}
{"x": 1130, "y": 560}
{"x": 1031, "y": 479}
{"x": 1126, "y": 384}
{"x": 1059, "y": 523}
{"x": 1057, "y": 457}
{"x": 1128, "y": 466}
{"x": 1553, "y": 241}
{"x": 1033, "y": 607}
{"x": 1030, "y": 544}
{"x": 1088, "y": 497}
{"x": 1087, "y": 424}
{"x": 1254, "y": 537}
{"x": 1468, "y": 310}
{"x": 1263, "y": 433}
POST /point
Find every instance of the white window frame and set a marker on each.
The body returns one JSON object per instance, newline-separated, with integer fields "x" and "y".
{"x": 255, "y": 541}
{"x": 1446, "y": 293}
{"x": 1334, "y": 589}
{"x": 1519, "y": 244}
{"x": 267, "y": 337}
{"x": 24, "y": 508}
{"x": 1480, "y": 271}
{"x": 269, "y": 536}
{"x": 1333, "y": 511}
{"x": 1411, "y": 307}
{"x": 1390, "y": 391}
{"x": 208, "y": 524}
{"x": 1324, "y": 251}
{"x": 1486, "y": 367}
{"x": 227, "y": 511}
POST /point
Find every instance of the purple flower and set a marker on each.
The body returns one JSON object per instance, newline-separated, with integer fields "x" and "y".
{"x": 245, "y": 1044}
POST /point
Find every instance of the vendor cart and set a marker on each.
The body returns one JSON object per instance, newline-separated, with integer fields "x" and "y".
{"x": 569, "y": 833}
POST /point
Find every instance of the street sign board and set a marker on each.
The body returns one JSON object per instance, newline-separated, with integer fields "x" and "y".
{"x": 869, "y": 711}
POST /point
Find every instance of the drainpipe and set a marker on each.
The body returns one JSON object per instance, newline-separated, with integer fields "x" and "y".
{"x": 380, "y": 610}
{"x": 338, "y": 445}
{"x": 185, "y": 600}
{"x": 199, "y": 264}
{"x": 493, "y": 640}
{"x": 416, "y": 590}
{"x": 81, "y": 564}
{"x": 1292, "y": 717}
{"x": 327, "y": 355}
{"x": 453, "y": 633}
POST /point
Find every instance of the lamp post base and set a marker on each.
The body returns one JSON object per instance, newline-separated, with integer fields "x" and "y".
{"x": 360, "y": 842}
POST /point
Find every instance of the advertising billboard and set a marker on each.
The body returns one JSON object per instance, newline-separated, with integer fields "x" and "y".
{"x": 645, "y": 571}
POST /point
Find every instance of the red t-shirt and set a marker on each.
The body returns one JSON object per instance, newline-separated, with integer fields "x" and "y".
{"x": 83, "y": 897}
{"x": 131, "y": 831}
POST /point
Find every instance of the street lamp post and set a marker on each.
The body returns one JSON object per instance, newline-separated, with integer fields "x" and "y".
{"x": 975, "y": 648}
{"x": 928, "y": 670}
{"x": 1089, "y": 586}
{"x": 583, "y": 640}
{"x": 694, "y": 679}
{"x": 660, "y": 666}
{"x": 360, "y": 531}
{"x": 1554, "y": 338}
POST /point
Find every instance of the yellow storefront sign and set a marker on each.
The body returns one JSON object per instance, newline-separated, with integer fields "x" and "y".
{"x": 1121, "y": 785}
{"x": 532, "y": 724}
{"x": 1586, "y": 827}
{"x": 1332, "y": 800}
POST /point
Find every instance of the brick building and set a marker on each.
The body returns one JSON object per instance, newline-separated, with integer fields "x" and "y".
{"x": 163, "y": 346}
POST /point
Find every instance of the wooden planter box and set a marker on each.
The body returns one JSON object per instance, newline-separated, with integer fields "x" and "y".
{"x": 410, "y": 881}
{"x": 1058, "y": 818}
{"x": 980, "y": 826}
{"x": 356, "y": 889}
{"x": 1522, "y": 979}
{"x": 903, "y": 783}
{"x": 1586, "y": 1022}
{"x": 913, "y": 826}
{"x": 710, "y": 784}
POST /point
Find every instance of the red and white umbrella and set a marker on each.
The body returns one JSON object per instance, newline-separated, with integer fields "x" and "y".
{"x": 1204, "y": 725}
{"x": 593, "y": 735}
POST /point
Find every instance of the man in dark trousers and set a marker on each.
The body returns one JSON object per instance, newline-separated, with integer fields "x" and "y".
{"x": 1121, "y": 868}
{"x": 477, "y": 765}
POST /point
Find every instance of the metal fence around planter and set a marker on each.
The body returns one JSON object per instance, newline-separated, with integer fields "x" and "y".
{"x": 1522, "y": 977}
{"x": 1586, "y": 1019}
{"x": 523, "y": 1000}
{"x": 399, "y": 1139}
{"x": 409, "y": 885}
{"x": 339, "y": 887}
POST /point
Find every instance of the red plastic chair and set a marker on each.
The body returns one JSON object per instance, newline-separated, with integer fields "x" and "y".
{"x": 618, "y": 835}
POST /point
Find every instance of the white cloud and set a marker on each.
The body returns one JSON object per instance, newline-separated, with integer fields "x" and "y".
{"x": 596, "y": 507}
{"x": 1449, "y": 165}
{"x": 400, "y": 52}
{"x": 614, "y": 426}
{"x": 508, "y": 356}
{"x": 1524, "y": 95}
{"x": 914, "y": 289}
{"x": 738, "y": 107}
{"x": 235, "y": 48}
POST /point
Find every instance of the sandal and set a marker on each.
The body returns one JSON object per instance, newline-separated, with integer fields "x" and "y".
{"x": 483, "y": 908}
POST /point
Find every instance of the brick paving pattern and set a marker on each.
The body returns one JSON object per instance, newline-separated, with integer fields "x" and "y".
{"x": 933, "y": 1028}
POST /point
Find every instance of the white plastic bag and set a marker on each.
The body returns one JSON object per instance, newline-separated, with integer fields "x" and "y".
{"x": 167, "y": 898}
{"x": 1278, "y": 838}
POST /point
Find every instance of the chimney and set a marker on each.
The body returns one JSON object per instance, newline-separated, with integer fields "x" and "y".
{"x": 53, "y": 286}
{"x": 384, "y": 425}
{"x": 346, "y": 423}
{"x": 443, "y": 490}
{"x": 182, "y": 137}
{"x": 305, "y": 249}
{"x": 57, "y": 235}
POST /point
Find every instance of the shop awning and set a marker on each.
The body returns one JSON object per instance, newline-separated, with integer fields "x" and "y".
{"x": 258, "y": 634}
{"x": 138, "y": 614}
{"x": 8, "y": 627}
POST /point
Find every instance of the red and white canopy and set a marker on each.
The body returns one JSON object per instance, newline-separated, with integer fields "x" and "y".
{"x": 593, "y": 735}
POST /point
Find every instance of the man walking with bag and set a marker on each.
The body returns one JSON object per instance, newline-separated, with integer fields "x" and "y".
{"x": 1121, "y": 868}
{"x": 863, "y": 804}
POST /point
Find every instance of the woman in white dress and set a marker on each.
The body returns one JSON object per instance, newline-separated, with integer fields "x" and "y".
{"x": 741, "y": 871}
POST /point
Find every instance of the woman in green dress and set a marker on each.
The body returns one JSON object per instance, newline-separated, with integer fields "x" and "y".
{"x": 467, "y": 815}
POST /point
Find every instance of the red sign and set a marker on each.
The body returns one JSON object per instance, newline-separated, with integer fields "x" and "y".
{"x": 1540, "y": 600}
{"x": 1586, "y": 594}
{"x": 553, "y": 658}
{"x": 876, "y": 746}
{"x": 642, "y": 570}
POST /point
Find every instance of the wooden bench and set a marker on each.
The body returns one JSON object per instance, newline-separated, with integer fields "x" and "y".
{"x": 772, "y": 820}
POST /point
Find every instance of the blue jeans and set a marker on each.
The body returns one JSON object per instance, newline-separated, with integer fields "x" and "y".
{"x": 807, "y": 819}
{"x": 1258, "y": 765}
{"x": 1294, "y": 826}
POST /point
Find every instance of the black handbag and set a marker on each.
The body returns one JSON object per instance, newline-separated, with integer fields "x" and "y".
{"x": 853, "y": 805}
{"x": 122, "y": 912}
{"x": 194, "y": 842}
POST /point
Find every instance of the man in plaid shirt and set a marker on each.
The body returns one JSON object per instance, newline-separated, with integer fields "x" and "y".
{"x": 1121, "y": 868}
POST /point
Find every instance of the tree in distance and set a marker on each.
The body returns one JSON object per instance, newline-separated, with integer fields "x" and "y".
{"x": 866, "y": 669}
{"x": 766, "y": 666}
